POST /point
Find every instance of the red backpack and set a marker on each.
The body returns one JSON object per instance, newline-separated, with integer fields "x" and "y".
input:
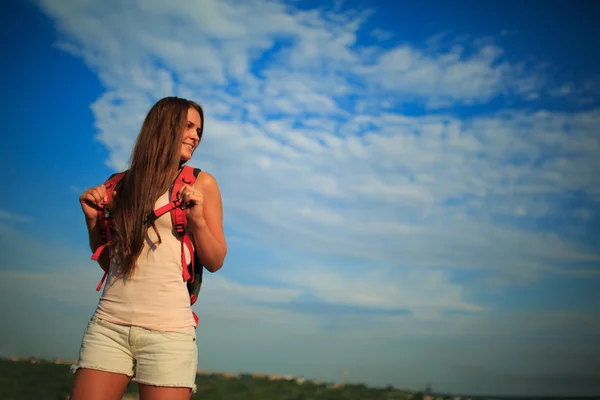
{"x": 193, "y": 277}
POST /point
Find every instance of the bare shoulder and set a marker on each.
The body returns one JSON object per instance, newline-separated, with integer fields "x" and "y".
{"x": 207, "y": 182}
{"x": 213, "y": 206}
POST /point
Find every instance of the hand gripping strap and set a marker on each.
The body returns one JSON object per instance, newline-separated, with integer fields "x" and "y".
{"x": 103, "y": 217}
{"x": 178, "y": 215}
{"x": 187, "y": 176}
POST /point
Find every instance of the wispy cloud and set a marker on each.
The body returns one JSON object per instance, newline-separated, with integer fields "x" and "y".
{"x": 10, "y": 216}
{"x": 381, "y": 35}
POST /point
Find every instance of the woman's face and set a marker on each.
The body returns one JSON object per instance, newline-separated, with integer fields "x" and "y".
{"x": 191, "y": 134}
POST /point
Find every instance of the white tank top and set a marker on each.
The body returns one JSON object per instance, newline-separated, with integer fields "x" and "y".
{"x": 156, "y": 296}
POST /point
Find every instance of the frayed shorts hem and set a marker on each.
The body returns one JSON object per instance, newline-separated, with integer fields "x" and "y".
{"x": 193, "y": 387}
{"x": 75, "y": 367}
{"x": 167, "y": 385}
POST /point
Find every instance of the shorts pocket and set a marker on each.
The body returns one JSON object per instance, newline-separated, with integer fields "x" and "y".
{"x": 184, "y": 335}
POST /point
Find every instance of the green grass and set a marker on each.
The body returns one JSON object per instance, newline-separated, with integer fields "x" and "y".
{"x": 24, "y": 380}
{"x": 46, "y": 380}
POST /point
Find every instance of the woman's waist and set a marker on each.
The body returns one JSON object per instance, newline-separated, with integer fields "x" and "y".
{"x": 151, "y": 269}
{"x": 145, "y": 299}
{"x": 147, "y": 288}
{"x": 149, "y": 316}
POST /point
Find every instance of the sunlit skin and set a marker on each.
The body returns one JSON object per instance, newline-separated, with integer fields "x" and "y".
{"x": 191, "y": 133}
{"x": 203, "y": 203}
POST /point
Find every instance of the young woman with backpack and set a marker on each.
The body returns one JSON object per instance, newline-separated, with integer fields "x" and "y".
{"x": 152, "y": 229}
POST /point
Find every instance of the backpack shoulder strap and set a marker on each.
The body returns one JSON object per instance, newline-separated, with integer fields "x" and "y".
{"x": 103, "y": 217}
{"x": 179, "y": 216}
{"x": 111, "y": 183}
{"x": 187, "y": 176}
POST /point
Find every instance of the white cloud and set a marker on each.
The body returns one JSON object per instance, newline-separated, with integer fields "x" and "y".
{"x": 420, "y": 292}
{"x": 445, "y": 78}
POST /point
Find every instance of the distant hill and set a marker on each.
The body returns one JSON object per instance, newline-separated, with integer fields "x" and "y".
{"x": 34, "y": 379}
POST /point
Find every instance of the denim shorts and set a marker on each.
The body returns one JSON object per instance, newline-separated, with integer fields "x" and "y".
{"x": 157, "y": 358}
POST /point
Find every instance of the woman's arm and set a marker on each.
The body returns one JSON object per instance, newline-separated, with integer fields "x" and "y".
{"x": 91, "y": 201}
{"x": 207, "y": 231}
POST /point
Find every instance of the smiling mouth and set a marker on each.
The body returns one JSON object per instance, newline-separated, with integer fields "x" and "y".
{"x": 190, "y": 146}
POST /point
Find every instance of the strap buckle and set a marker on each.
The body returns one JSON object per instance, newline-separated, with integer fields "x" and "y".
{"x": 180, "y": 228}
{"x": 150, "y": 218}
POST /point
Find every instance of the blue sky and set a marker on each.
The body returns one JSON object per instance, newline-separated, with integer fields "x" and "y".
{"x": 409, "y": 189}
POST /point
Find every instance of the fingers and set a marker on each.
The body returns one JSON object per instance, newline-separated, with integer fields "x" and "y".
{"x": 99, "y": 193}
{"x": 95, "y": 195}
{"x": 189, "y": 196}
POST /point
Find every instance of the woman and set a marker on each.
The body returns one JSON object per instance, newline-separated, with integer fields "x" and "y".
{"x": 143, "y": 327}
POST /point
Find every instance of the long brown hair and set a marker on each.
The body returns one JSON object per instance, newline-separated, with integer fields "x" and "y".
{"x": 154, "y": 165}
